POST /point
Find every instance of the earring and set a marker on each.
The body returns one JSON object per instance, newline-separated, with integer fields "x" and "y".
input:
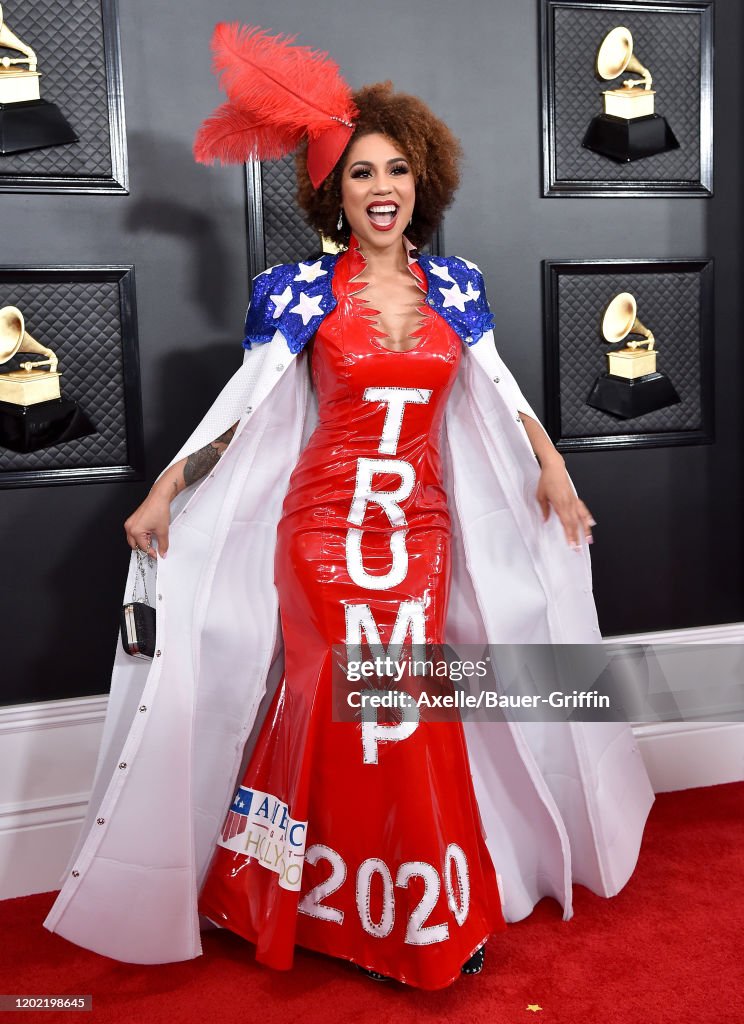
{"x": 340, "y": 221}
{"x": 410, "y": 222}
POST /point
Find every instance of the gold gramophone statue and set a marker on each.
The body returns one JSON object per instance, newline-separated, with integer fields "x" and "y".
{"x": 628, "y": 128}
{"x": 632, "y": 386}
{"x": 33, "y": 413}
{"x": 26, "y": 120}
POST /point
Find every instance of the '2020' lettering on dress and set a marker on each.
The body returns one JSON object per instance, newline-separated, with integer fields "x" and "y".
{"x": 352, "y": 839}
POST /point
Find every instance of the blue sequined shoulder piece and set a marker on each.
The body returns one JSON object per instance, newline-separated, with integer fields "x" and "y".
{"x": 293, "y": 298}
{"x": 458, "y": 293}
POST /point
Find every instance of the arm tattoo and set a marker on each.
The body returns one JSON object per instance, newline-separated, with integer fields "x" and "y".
{"x": 200, "y": 463}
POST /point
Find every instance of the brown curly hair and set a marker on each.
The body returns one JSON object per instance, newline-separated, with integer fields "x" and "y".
{"x": 433, "y": 151}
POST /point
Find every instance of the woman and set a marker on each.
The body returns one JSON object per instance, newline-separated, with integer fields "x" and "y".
{"x": 353, "y": 520}
{"x": 380, "y": 342}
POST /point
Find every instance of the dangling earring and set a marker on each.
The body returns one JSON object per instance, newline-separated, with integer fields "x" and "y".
{"x": 410, "y": 221}
{"x": 340, "y": 221}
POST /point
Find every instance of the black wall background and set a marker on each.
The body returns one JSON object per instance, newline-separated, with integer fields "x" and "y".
{"x": 668, "y": 540}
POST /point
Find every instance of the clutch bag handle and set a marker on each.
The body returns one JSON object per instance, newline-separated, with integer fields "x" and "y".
{"x": 141, "y": 555}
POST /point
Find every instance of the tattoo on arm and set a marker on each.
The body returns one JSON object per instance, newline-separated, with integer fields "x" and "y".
{"x": 200, "y": 463}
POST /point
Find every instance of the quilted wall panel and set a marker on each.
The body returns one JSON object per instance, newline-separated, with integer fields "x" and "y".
{"x": 81, "y": 320}
{"x": 670, "y": 305}
{"x": 669, "y": 45}
{"x": 69, "y": 44}
{"x": 287, "y": 237}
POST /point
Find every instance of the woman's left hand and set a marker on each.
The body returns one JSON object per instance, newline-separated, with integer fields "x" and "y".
{"x": 554, "y": 488}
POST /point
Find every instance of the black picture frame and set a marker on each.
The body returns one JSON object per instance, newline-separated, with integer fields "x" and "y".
{"x": 119, "y": 411}
{"x": 275, "y": 229}
{"x": 681, "y": 288}
{"x": 40, "y": 177}
{"x": 569, "y": 170}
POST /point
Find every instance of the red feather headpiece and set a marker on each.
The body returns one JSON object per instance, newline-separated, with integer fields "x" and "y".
{"x": 278, "y": 93}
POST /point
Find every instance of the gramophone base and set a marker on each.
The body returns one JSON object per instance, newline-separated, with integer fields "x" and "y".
{"x": 27, "y": 428}
{"x": 622, "y": 139}
{"x": 629, "y": 398}
{"x": 34, "y": 124}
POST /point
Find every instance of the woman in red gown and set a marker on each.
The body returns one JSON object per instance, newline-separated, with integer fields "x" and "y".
{"x": 360, "y": 839}
{"x": 356, "y": 838}
{"x": 396, "y": 873}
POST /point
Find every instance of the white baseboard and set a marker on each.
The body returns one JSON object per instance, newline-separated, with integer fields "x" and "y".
{"x": 48, "y": 754}
{"x": 684, "y": 755}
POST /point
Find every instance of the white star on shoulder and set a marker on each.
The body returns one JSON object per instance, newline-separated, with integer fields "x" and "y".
{"x": 310, "y": 271}
{"x": 471, "y": 266}
{"x": 454, "y": 297}
{"x": 441, "y": 271}
{"x": 471, "y": 292}
{"x": 280, "y": 301}
{"x": 308, "y": 307}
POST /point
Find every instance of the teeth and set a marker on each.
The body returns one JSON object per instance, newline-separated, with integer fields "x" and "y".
{"x": 381, "y": 209}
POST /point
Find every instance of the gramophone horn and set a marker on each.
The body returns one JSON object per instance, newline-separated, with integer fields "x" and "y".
{"x": 616, "y": 55}
{"x": 13, "y": 337}
{"x": 12, "y": 329}
{"x": 9, "y": 39}
{"x": 620, "y": 320}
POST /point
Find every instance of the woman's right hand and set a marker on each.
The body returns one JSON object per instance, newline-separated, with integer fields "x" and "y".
{"x": 151, "y": 519}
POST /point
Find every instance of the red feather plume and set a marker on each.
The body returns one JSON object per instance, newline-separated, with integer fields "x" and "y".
{"x": 278, "y": 92}
{"x": 233, "y": 136}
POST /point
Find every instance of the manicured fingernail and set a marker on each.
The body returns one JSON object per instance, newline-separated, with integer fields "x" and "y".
{"x": 590, "y": 540}
{"x": 592, "y": 522}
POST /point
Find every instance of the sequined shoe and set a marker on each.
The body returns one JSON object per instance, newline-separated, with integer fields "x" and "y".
{"x": 475, "y": 964}
{"x": 375, "y": 975}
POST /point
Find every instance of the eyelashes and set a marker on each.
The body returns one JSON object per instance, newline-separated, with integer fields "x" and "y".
{"x": 365, "y": 172}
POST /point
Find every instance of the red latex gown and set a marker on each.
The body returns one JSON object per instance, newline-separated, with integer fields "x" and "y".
{"x": 343, "y": 841}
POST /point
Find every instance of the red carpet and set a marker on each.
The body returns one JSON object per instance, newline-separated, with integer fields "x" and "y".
{"x": 668, "y": 948}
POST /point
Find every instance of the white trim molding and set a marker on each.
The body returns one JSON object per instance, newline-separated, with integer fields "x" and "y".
{"x": 685, "y": 755}
{"x": 49, "y": 749}
{"x": 725, "y": 632}
{"x": 48, "y": 753}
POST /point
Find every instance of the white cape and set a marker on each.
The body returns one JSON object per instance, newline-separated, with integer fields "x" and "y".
{"x": 561, "y": 802}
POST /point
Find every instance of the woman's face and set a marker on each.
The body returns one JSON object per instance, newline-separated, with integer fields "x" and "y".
{"x": 378, "y": 191}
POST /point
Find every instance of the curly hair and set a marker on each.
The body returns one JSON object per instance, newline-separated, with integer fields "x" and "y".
{"x": 433, "y": 151}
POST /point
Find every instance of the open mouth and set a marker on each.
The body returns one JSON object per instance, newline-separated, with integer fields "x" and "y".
{"x": 383, "y": 215}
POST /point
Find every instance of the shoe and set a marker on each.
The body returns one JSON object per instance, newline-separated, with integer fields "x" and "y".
{"x": 375, "y": 975}
{"x": 475, "y": 964}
